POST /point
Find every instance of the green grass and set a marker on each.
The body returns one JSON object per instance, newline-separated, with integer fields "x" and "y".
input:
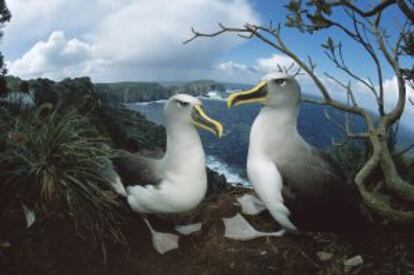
{"x": 53, "y": 161}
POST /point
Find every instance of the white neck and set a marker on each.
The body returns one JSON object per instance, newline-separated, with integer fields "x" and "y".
{"x": 184, "y": 150}
{"x": 274, "y": 133}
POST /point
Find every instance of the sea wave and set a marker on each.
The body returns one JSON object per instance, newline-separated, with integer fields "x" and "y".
{"x": 211, "y": 95}
{"x": 215, "y": 95}
{"x": 223, "y": 168}
{"x": 218, "y": 95}
{"x": 146, "y": 103}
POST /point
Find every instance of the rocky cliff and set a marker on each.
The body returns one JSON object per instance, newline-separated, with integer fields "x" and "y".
{"x": 127, "y": 92}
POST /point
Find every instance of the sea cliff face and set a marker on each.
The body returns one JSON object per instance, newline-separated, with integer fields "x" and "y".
{"x": 127, "y": 92}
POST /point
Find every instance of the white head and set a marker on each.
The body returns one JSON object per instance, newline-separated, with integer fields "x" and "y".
{"x": 275, "y": 90}
{"x": 185, "y": 109}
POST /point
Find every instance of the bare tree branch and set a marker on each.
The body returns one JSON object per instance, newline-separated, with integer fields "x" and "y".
{"x": 222, "y": 30}
{"x": 338, "y": 60}
{"x": 365, "y": 42}
{"x": 406, "y": 10}
{"x": 405, "y": 150}
{"x": 345, "y": 128}
{"x": 313, "y": 101}
{"x": 347, "y": 88}
{"x": 397, "y": 111}
{"x": 373, "y": 11}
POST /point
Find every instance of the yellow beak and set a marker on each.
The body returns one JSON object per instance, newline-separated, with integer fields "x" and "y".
{"x": 256, "y": 94}
{"x": 202, "y": 120}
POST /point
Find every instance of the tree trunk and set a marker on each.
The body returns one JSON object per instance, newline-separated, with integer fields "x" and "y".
{"x": 379, "y": 204}
{"x": 393, "y": 181}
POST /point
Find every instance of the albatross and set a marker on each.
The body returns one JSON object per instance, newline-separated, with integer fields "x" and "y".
{"x": 177, "y": 182}
{"x": 300, "y": 187}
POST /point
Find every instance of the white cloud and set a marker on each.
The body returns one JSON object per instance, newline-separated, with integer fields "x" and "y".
{"x": 237, "y": 72}
{"x": 391, "y": 97}
{"x": 57, "y": 56}
{"x": 268, "y": 65}
{"x": 234, "y": 68}
{"x": 120, "y": 40}
{"x": 391, "y": 88}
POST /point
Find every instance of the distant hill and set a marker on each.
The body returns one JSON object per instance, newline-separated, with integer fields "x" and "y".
{"x": 199, "y": 87}
{"x": 128, "y": 92}
{"x": 237, "y": 86}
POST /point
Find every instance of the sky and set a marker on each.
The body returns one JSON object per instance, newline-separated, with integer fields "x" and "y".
{"x": 140, "y": 40}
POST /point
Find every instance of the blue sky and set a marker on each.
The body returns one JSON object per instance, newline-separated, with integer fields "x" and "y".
{"x": 139, "y": 40}
{"x": 306, "y": 44}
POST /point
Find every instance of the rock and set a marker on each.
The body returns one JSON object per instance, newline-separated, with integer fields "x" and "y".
{"x": 217, "y": 183}
{"x": 354, "y": 261}
{"x": 324, "y": 256}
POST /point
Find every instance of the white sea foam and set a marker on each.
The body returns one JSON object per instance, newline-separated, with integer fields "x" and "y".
{"x": 220, "y": 167}
{"x": 145, "y": 103}
{"x": 211, "y": 95}
{"x": 215, "y": 95}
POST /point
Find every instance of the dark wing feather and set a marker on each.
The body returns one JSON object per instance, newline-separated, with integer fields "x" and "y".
{"x": 137, "y": 170}
{"x": 319, "y": 196}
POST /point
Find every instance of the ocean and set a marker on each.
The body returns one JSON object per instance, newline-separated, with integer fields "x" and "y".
{"x": 228, "y": 155}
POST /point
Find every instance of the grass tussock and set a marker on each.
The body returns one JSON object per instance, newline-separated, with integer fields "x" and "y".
{"x": 55, "y": 162}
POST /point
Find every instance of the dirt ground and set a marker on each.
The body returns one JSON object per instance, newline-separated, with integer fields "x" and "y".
{"x": 52, "y": 247}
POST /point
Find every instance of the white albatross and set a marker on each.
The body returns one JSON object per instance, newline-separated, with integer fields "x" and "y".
{"x": 177, "y": 182}
{"x": 300, "y": 188}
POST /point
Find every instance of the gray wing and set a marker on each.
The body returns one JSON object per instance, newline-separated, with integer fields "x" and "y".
{"x": 311, "y": 175}
{"x": 319, "y": 196}
{"x": 137, "y": 170}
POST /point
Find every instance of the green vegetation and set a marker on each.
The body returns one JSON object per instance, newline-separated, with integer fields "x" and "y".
{"x": 125, "y": 92}
{"x": 53, "y": 161}
{"x": 130, "y": 130}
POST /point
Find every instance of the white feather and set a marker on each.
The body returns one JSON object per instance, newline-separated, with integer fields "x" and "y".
{"x": 188, "y": 228}
{"x": 30, "y": 216}
{"x": 251, "y": 205}
{"x": 237, "y": 228}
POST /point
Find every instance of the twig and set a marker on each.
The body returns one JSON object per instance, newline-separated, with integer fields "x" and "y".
{"x": 346, "y": 127}
{"x": 347, "y": 87}
{"x": 405, "y": 150}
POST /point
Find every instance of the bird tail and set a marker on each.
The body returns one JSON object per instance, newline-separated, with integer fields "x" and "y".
{"x": 118, "y": 187}
{"x": 281, "y": 214}
{"x": 113, "y": 178}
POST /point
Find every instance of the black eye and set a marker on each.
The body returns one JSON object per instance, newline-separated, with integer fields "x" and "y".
{"x": 280, "y": 81}
{"x": 182, "y": 103}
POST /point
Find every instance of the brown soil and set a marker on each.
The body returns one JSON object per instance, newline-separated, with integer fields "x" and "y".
{"x": 53, "y": 247}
